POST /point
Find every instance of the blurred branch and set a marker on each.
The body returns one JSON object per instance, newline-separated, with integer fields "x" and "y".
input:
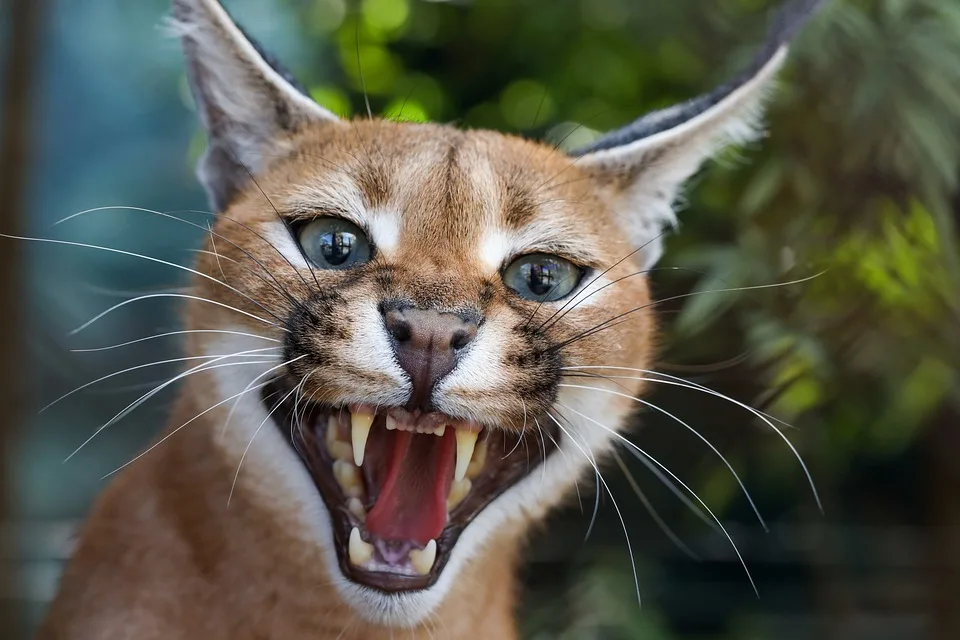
{"x": 19, "y": 84}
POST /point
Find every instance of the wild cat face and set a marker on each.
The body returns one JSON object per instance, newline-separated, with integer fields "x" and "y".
{"x": 429, "y": 286}
{"x": 437, "y": 294}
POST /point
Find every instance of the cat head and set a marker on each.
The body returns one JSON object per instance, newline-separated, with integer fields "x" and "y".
{"x": 445, "y": 302}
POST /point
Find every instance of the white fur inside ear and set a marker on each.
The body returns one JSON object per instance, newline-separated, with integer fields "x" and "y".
{"x": 659, "y": 164}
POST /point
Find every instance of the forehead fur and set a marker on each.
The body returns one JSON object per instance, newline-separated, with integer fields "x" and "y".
{"x": 448, "y": 192}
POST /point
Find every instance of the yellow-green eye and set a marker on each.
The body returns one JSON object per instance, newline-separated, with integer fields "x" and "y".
{"x": 542, "y": 277}
{"x": 333, "y": 243}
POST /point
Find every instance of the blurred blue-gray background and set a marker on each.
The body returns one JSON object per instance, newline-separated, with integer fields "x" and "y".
{"x": 858, "y": 179}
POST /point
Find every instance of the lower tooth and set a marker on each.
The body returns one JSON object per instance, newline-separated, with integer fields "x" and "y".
{"x": 458, "y": 492}
{"x": 422, "y": 560}
{"x": 359, "y": 551}
{"x": 348, "y": 477}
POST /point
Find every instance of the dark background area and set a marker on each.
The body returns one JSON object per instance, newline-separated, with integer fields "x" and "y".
{"x": 857, "y": 182}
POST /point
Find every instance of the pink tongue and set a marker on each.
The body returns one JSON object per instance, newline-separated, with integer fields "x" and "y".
{"x": 412, "y": 504}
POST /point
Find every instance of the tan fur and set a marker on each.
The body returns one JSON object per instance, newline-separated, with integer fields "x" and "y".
{"x": 163, "y": 556}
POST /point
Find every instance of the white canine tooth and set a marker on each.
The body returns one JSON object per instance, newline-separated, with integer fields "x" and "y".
{"x": 458, "y": 491}
{"x": 391, "y": 423}
{"x": 355, "y": 507}
{"x": 466, "y": 441}
{"x": 359, "y": 431}
{"x": 422, "y": 560}
{"x": 359, "y": 551}
{"x": 348, "y": 477}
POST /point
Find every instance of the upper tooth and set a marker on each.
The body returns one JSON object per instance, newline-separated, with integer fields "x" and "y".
{"x": 360, "y": 428}
{"x": 348, "y": 477}
{"x": 339, "y": 449}
{"x": 479, "y": 459}
{"x": 359, "y": 551}
{"x": 439, "y": 431}
{"x": 466, "y": 441}
{"x": 458, "y": 491}
{"x": 422, "y": 560}
{"x": 391, "y": 423}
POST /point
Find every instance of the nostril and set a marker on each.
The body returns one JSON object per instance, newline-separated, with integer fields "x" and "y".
{"x": 460, "y": 339}
{"x": 398, "y": 327}
{"x": 401, "y": 331}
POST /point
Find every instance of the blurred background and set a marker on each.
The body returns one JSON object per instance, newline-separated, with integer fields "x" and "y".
{"x": 857, "y": 181}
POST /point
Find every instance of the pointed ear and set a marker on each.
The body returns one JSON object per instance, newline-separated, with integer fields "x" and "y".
{"x": 248, "y": 103}
{"x": 648, "y": 161}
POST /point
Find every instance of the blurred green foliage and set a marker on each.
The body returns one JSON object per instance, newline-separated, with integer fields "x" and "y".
{"x": 853, "y": 197}
{"x": 816, "y": 274}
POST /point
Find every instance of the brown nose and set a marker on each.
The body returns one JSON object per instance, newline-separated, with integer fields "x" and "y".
{"x": 427, "y": 343}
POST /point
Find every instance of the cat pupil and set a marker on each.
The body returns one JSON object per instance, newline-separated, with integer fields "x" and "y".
{"x": 336, "y": 246}
{"x": 542, "y": 278}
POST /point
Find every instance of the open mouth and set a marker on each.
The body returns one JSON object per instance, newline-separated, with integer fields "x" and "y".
{"x": 400, "y": 486}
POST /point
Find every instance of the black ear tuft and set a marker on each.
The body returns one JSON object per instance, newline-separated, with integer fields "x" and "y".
{"x": 788, "y": 21}
{"x": 650, "y": 159}
{"x": 274, "y": 62}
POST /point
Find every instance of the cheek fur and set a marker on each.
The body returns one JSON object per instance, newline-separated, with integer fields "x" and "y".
{"x": 617, "y": 329}
{"x": 509, "y": 375}
{"x": 342, "y": 347}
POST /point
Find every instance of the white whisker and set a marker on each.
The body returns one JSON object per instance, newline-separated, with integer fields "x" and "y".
{"x": 84, "y": 245}
{"x": 243, "y": 456}
{"x": 596, "y": 505}
{"x": 680, "y": 382}
{"x": 139, "y": 401}
{"x": 672, "y": 487}
{"x": 606, "y": 323}
{"x": 164, "y": 438}
{"x": 216, "y": 254}
{"x": 172, "y": 295}
{"x": 135, "y": 368}
{"x": 651, "y": 509}
{"x": 706, "y": 441}
{"x": 633, "y": 562}
{"x": 682, "y": 484}
{"x": 543, "y": 443}
{"x": 175, "y": 333}
{"x": 233, "y": 407}
{"x": 212, "y": 233}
